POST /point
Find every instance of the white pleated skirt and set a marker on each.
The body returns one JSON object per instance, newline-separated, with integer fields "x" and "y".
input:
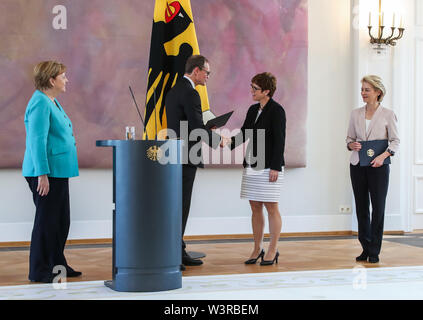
{"x": 255, "y": 185}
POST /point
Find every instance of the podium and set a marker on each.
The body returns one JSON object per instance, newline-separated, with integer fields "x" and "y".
{"x": 147, "y": 215}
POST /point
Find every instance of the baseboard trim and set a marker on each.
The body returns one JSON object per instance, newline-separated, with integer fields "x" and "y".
{"x": 23, "y": 244}
{"x": 266, "y": 235}
{"x": 218, "y": 226}
{"x": 387, "y": 233}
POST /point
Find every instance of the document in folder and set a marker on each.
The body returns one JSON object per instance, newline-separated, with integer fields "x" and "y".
{"x": 370, "y": 150}
{"x": 219, "y": 121}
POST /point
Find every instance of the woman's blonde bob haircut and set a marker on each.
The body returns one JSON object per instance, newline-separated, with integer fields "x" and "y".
{"x": 376, "y": 83}
{"x": 46, "y": 70}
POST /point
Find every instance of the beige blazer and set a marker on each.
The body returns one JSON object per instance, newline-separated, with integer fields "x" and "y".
{"x": 383, "y": 126}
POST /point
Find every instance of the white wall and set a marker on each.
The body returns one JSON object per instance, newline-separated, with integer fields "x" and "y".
{"x": 311, "y": 196}
{"x": 398, "y": 73}
{"x": 416, "y": 124}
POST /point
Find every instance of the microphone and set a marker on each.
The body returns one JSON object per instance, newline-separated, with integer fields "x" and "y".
{"x": 136, "y": 105}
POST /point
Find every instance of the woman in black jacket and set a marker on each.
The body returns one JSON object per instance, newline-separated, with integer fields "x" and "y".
{"x": 264, "y": 127}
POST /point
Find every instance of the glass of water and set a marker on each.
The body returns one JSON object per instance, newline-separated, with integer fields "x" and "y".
{"x": 130, "y": 133}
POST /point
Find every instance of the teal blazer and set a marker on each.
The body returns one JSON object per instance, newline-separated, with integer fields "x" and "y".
{"x": 50, "y": 143}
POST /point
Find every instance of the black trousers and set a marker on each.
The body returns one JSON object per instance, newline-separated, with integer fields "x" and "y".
{"x": 51, "y": 228}
{"x": 188, "y": 177}
{"x": 370, "y": 183}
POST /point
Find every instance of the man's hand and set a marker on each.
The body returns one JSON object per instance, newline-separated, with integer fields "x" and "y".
{"x": 225, "y": 141}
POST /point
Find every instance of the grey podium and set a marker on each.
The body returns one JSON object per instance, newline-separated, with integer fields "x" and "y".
{"x": 147, "y": 215}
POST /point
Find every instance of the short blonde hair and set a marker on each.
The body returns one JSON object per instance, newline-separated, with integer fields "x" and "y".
{"x": 46, "y": 70}
{"x": 376, "y": 83}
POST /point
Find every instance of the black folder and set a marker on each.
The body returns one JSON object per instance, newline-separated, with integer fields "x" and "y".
{"x": 370, "y": 150}
{"x": 219, "y": 121}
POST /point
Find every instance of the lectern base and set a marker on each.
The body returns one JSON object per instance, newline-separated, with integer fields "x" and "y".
{"x": 109, "y": 284}
{"x": 147, "y": 217}
{"x": 145, "y": 282}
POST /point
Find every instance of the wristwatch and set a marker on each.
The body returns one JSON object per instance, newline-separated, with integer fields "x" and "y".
{"x": 391, "y": 152}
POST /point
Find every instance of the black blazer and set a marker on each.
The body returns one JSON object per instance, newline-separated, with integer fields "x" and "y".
{"x": 273, "y": 121}
{"x": 183, "y": 103}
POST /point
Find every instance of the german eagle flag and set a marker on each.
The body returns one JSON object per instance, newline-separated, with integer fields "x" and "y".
{"x": 173, "y": 40}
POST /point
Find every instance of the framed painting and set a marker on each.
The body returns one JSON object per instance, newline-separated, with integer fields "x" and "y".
{"x": 105, "y": 46}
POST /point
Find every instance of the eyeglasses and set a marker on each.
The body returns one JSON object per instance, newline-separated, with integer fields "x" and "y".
{"x": 207, "y": 72}
{"x": 255, "y": 88}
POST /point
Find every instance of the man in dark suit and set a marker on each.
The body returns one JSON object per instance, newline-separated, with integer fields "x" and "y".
{"x": 184, "y": 115}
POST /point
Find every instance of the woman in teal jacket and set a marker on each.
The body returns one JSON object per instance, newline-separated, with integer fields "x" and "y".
{"x": 50, "y": 160}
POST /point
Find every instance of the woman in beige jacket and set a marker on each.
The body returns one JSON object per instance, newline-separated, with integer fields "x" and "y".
{"x": 368, "y": 123}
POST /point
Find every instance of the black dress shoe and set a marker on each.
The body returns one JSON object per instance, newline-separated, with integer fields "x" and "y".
{"x": 254, "y": 260}
{"x": 45, "y": 279}
{"x": 362, "y": 257}
{"x": 74, "y": 274}
{"x": 374, "y": 259}
{"x": 188, "y": 261}
{"x": 70, "y": 273}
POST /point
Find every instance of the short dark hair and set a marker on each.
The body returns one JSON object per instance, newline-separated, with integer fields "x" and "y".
{"x": 46, "y": 70}
{"x": 195, "y": 61}
{"x": 266, "y": 81}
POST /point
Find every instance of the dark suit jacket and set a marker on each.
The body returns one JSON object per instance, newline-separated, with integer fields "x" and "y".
{"x": 273, "y": 121}
{"x": 183, "y": 103}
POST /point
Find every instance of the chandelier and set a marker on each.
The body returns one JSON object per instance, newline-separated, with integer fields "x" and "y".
{"x": 380, "y": 42}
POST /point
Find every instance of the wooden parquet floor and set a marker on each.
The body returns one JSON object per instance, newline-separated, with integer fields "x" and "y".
{"x": 227, "y": 257}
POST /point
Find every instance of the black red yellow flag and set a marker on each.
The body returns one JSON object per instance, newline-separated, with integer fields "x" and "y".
{"x": 173, "y": 40}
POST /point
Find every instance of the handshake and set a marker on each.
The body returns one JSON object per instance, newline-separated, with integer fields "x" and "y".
{"x": 225, "y": 141}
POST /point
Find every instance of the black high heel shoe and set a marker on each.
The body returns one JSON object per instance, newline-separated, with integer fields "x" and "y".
{"x": 270, "y": 262}
{"x": 253, "y": 261}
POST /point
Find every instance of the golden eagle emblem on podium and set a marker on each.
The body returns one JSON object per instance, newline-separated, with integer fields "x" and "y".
{"x": 154, "y": 153}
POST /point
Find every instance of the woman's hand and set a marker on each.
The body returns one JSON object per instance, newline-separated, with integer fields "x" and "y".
{"x": 43, "y": 185}
{"x": 273, "y": 175}
{"x": 356, "y": 146}
{"x": 378, "y": 161}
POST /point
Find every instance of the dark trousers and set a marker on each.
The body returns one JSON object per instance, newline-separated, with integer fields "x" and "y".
{"x": 373, "y": 182}
{"x": 188, "y": 177}
{"x": 51, "y": 228}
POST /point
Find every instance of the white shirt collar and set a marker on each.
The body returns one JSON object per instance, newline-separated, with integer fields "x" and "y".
{"x": 192, "y": 82}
